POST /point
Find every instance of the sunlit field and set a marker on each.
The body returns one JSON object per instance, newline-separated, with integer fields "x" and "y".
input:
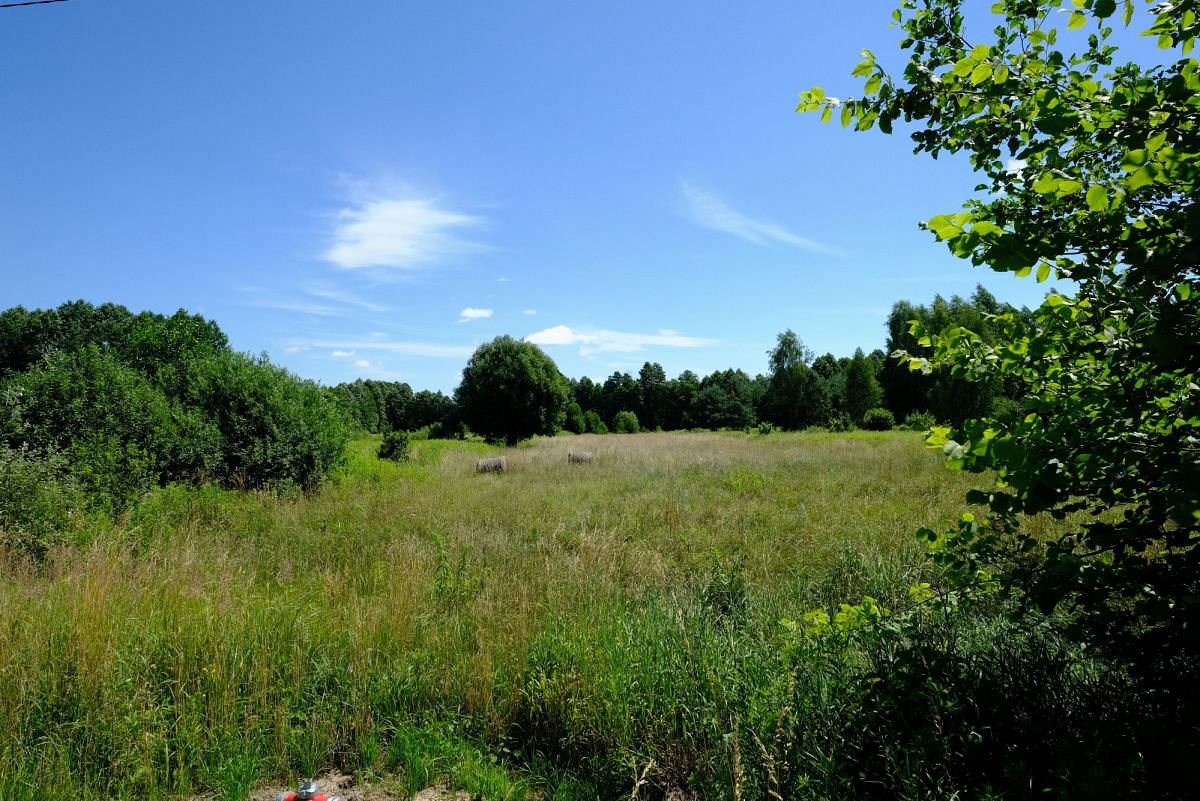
{"x": 558, "y": 630}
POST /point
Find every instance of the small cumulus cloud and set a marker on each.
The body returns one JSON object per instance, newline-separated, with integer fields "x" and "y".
{"x": 711, "y": 211}
{"x": 399, "y": 233}
{"x": 606, "y": 341}
{"x": 362, "y": 363}
{"x": 468, "y": 314}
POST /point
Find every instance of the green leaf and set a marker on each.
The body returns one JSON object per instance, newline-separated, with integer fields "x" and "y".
{"x": 826, "y": 113}
{"x": 1144, "y": 176}
{"x": 1043, "y": 272}
{"x": 1103, "y": 9}
{"x": 1134, "y": 159}
{"x": 986, "y": 228}
{"x": 1000, "y": 74}
{"x": 1045, "y": 184}
{"x": 980, "y": 74}
{"x": 1077, "y": 20}
{"x": 1097, "y": 198}
{"x": 1068, "y": 186}
{"x": 944, "y": 227}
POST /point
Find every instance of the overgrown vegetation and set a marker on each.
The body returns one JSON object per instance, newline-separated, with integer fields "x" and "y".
{"x": 104, "y": 404}
{"x": 1103, "y": 192}
{"x": 574, "y": 631}
{"x": 577, "y": 624}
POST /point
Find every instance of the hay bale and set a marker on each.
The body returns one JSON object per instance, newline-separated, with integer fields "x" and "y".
{"x": 580, "y": 457}
{"x": 496, "y": 464}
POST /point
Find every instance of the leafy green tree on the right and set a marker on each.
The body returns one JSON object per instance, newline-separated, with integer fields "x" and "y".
{"x": 1090, "y": 170}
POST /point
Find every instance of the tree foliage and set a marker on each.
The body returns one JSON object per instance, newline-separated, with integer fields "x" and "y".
{"x": 511, "y": 390}
{"x": 1101, "y": 190}
{"x": 862, "y": 388}
{"x": 948, "y": 397}
{"x": 796, "y": 396}
{"x": 123, "y": 401}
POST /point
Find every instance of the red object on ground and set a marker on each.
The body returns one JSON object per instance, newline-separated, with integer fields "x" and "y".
{"x": 307, "y": 791}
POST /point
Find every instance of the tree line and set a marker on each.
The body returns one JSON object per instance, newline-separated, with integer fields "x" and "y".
{"x": 101, "y": 404}
{"x": 512, "y": 390}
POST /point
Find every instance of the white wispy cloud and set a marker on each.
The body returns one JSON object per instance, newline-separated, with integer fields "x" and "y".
{"x": 468, "y": 314}
{"x": 606, "y": 341}
{"x": 404, "y": 348}
{"x": 399, "y": 233}
{"x": 529, "y": 312}
{"x": 303, "y": 307}
{"x": 711, "y": 211}
{"x": 342, "y": 354}
{"x": 338, "y": 295}
{"x": 362, "y": 363}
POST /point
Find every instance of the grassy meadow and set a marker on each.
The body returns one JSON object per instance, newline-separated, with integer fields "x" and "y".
{"x": 559, "y": 631}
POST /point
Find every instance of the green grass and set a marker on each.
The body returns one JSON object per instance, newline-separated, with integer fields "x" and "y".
{"x": 547, "y": 632}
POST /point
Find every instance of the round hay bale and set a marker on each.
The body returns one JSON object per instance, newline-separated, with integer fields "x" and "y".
{"x": 496, "y": 464}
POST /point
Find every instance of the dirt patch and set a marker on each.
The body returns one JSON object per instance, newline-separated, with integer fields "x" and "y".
{"x": 441, "y": 792}
{"x": 343, "y": 786}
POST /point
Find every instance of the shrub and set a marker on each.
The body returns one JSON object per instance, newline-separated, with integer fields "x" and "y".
{"x": 878, "y": 419}
{"x": 276, "y": 429}
{"x": 766, "y": 428}
{"x": 839, "y": 423}
{"x": 595, "y": 425}
{"x": 626, "y": 423}
{"x": 1004, "y": 408}
{"x": 119, "y": 435}
{"x": 38, "y": 501}
{"x": 394, "y": 446}
{"x": 444, "y": 430}
{"x": 920, "y": 421}
{"x": 576, "y": 422}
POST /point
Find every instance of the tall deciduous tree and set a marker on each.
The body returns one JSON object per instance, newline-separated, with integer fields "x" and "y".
{"x": 862, "y": 388}
{"x": 795, "y": 395}
{"x": 511, "y": 390}
{"x": 1090, "y": 169}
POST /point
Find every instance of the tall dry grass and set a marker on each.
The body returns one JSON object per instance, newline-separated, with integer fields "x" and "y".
{"x": 598, "y": 615}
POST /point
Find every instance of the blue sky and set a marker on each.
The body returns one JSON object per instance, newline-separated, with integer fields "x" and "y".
{"x": 372, "y": 189}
